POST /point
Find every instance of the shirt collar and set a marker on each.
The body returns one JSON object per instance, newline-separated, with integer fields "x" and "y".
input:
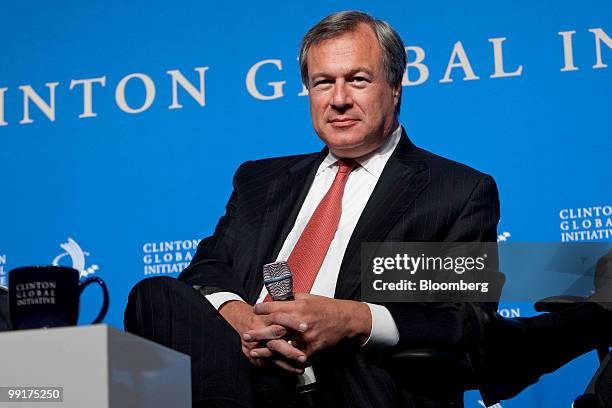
{"x": 374, "y": 162}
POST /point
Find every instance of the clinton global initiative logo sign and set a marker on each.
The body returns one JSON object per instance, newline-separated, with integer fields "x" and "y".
{"x": 509, "y": 312}
{"x": 3, "y": 274}
{"x": 74, "y": 257}
{"x": 504, "y": 236}
{"x": 167, "y": 257}
{"x": 586, "y": 223}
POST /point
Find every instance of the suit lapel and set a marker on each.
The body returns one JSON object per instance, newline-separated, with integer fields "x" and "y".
{"x": 286, "y": 196}
{"x": 404, "y": 177}
{"x": 282, "y": 202}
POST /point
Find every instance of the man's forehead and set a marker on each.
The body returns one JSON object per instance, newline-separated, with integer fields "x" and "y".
{"x": 362, "y": 34}
{"x": 362, "y": 41}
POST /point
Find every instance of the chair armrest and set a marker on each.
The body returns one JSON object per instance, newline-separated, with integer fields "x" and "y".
{"x": 430, "y": 371}
{"x": 557, "y": 303}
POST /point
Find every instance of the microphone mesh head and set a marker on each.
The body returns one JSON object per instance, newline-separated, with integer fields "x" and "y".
{"x": 278, "y": 280}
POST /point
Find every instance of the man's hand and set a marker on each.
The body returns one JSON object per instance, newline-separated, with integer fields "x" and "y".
{"x": 328, "y": 321}
{"x": 270, "y": 345}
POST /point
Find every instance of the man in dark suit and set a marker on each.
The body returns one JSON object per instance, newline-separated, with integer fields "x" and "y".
{"x": 370, "y": 184}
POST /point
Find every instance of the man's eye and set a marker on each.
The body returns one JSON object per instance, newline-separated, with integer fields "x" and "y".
{"x": 359, "y": 81}
{"x": 322, "y": 82}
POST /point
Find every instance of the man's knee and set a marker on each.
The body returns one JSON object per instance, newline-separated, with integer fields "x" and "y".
{"x": 154, "y": 283}
{"x": 146, "y": 299}
{"x": 157, "y": 289}
{"x": 160, "y": 299}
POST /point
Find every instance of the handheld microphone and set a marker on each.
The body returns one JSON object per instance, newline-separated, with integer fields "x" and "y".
{"x": 278, "y": 279}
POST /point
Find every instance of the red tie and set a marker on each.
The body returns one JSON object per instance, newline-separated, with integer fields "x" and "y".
{"x": 310, "y": 250}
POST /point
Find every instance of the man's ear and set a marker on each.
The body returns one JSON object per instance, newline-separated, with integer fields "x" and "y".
{"x": 397, "y": 93}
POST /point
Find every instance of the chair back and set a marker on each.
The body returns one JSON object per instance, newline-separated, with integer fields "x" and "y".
{"x": 5, "y": 321}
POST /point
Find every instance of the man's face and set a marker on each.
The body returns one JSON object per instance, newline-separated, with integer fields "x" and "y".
{"x": 351, "y": 103}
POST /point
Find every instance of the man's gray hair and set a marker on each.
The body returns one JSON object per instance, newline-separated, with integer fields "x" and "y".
{"x": 334, "y": 25}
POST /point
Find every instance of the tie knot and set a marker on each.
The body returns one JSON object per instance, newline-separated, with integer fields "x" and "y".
{"x": 346, "y": 165}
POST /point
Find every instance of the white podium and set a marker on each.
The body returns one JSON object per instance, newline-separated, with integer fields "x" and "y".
{"x": 98, "y": 367}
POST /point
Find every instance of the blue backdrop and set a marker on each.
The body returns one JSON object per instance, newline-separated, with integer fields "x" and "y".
{"x": 121, "y": 125}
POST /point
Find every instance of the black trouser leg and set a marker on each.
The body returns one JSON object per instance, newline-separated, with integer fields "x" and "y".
{"x": 171, "y": 313}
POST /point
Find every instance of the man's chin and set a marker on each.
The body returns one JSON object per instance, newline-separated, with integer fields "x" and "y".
{"x": 351, "y": 151}
{"x": 351, "y": 148}
{"x": 343, "y": 138}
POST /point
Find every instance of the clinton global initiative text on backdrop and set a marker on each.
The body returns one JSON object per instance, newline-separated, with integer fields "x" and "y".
{"x": 418, "y": 72}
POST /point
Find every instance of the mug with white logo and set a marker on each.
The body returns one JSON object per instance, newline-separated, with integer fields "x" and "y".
{"x": 48, "y": 296}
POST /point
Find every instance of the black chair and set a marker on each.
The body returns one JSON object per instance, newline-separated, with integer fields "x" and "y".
{"x": 598, "y": 394}
{"x": 436, "y": 375}
{"x": 494, "y": 368}
{"x": 445, "y": 374}
{"x": 442, "y": 376}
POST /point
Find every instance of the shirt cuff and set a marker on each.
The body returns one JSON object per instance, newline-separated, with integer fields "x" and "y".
{"x": 220, "y": 298}
{"x": 384, "y": 332}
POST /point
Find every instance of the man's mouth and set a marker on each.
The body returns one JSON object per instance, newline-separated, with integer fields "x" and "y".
{"x": 343, "y": 122}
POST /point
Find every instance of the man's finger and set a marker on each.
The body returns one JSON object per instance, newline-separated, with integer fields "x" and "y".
{"x": 285, "y": 349}
{"x": 274, "y": 331}
{"x": 286, "y": 320}
{"x": 271, "y": 307}
{"x": 263, "y": 352}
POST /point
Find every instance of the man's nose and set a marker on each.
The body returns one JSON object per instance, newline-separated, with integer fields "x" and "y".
{"x": 341, "y": 97}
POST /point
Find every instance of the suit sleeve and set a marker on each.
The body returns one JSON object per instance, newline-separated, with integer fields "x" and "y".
{"x": 478, "y": 219}
{"x": 451, "y": 326}
{"x": 211, "y": 265}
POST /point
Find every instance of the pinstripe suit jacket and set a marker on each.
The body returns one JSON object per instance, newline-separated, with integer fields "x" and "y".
{"x": 419, "y": 197}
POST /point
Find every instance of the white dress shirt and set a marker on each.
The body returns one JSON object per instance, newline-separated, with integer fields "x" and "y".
{"x": 359, "y": 187}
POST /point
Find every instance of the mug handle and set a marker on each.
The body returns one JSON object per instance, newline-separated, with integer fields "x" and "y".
{"x": 87, "y": 282}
